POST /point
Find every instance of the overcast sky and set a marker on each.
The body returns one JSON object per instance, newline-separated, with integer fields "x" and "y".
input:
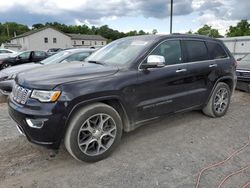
{"x": 126, "y": 15}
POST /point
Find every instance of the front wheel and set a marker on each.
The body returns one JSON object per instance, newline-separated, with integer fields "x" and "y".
{"x": 5, "y": 65}
{"x": 93, "y": 132}
{"x": 219, "y": 101}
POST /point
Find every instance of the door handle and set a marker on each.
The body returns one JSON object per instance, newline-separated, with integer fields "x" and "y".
{"x": 181, "y": 70}
{"x": 213, "y": 65}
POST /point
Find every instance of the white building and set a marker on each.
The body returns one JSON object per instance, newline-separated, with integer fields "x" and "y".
{"x": 48, "y": 37}
{"x": 79, "y": 40}
{"x": 239, "y": 46}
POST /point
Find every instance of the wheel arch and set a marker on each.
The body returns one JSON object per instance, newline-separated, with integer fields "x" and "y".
{"x": 226, "y": 79}
{"x": 112, "y": 101}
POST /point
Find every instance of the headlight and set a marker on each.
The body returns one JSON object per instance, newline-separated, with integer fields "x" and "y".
{"x": 46, "y": 96}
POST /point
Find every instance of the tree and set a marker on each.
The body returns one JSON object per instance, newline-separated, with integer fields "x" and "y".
{"x": 209, "y": 31}
{"x": 154, "y": 32}
{"x": 241, "y": 29}
{"x": 190, "y": 32}
{"x": 37, "y": 26}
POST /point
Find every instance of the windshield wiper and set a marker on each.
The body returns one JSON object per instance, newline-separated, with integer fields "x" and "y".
{"x": 96, "y": 62}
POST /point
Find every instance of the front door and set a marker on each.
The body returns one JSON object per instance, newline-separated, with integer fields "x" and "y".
{"x": 162, "y": 90}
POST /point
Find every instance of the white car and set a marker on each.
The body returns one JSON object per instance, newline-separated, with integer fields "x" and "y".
{"x": 5, "y": 53}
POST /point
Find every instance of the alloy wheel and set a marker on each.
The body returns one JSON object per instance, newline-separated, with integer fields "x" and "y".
{"x": 221, "y": 100}
{"x": 97, "y": 134}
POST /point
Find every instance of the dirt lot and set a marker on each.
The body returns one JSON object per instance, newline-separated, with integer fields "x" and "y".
{"x": 167, "y": 154}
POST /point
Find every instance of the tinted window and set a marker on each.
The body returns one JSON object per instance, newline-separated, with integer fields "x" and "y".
{"x": 25, "y": 55}
{"x": 196, "y": 51}
{"x": 216, "y": 51}
{"x": 77, "y": 57}
{"x": 39, "y": 54}
{"x": 171, "y": 50}
{"x": 5, "y": 51}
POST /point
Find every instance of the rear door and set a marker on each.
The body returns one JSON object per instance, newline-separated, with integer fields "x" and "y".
{"x": 202, "y": 70}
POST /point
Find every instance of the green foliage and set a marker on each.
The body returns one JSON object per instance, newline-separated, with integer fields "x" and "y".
{"x": 154, "y": 32}
{"x": 241, "y": 29}
{"x": 9, "y": 29}
{"x": 104, "y": 30}
{"x": 209, "y": 31}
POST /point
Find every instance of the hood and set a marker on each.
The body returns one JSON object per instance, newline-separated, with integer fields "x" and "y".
{"x": 244, "y": 65}
{"x": 49, "y": 76}
{"x": 19, "y": 68}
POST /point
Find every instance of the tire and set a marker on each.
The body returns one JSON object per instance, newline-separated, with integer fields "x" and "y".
{"x": 85, "y": 137}
{"x": 5, "y": 65}
{"x": 212, "y": 109}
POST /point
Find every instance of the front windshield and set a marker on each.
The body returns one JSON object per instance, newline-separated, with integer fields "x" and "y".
{"x": 121, "y": 52}
{"x": 55, "y": 58}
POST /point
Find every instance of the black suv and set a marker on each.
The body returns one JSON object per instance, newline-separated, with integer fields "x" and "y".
{"x": 130, "y": 82}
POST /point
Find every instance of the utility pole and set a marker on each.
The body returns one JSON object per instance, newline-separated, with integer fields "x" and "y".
{"x": 8, "y": 32}
{"x": 171, "y": 17}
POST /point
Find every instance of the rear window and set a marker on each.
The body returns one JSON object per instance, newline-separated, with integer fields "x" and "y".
{"x": 196, "y": 50}
{"x": 216, "y": 51}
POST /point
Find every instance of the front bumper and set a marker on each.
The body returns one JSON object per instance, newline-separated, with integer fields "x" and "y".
{"x": 6, "y": 87}
{"x": 50, "y": 134}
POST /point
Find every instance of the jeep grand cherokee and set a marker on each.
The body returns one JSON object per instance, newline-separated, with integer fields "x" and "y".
{"x": 130, "y": 82}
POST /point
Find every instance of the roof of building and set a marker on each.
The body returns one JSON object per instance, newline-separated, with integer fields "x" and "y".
{"x": 36, "y": 31}
{"x": 86, "y": 37}
{"x": 73, "y": 36}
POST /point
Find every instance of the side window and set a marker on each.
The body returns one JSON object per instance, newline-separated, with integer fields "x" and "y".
{"x": 216, "y": 51}
{"x": 77, "y": 57}
{"x": 25, "y": 55}
{"x": 5, "y": 51}
{"x": 170, "y": 50}
{"x": 39, "y": 54}
{"x": 196, "y": 50}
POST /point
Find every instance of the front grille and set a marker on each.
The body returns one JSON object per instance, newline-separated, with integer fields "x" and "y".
{"x": 20, "y": 94}
{"x": 245, "y": 74}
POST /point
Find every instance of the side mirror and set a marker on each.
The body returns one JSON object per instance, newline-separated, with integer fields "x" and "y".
{"x": 239, "y": 59}
{"x": 18, "y": 58}
{"x": 154, "y": 61}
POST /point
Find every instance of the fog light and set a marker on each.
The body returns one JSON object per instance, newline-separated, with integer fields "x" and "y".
{"x": 35, "y": 123}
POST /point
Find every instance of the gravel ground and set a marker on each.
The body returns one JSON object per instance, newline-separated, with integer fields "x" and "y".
{"x": 169, "y": 153}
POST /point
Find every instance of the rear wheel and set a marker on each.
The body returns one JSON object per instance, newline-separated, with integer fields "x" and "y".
{"x": 93, "y": 132}
{"x": 219, "y": 101}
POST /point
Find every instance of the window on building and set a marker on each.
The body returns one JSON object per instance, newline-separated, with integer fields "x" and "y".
{"x": 54, "y": 40}
{"x": 102, "y": 43}
{"x": 196, "y": 50}
{"x": 46, "y": 40}
{"x": 82, "y": 42}
{"x": 95, "y": 43}
{"x": 74, "y": 42}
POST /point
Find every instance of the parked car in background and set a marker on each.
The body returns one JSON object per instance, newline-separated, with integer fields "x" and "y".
{"x": 53, "y": 51}
{"x": 21, "y": 58}
{"x": 8, "y": 75}
{"x": 5, "y": 53}
{"x": 243, "y": 73}
{"x": 129, "y": 82}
